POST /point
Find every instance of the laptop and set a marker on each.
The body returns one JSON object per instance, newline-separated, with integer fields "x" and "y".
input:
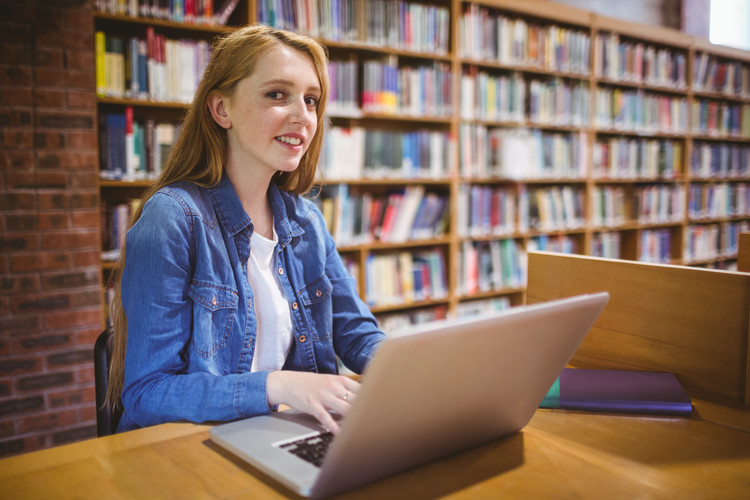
{"x": 444, "y": 387}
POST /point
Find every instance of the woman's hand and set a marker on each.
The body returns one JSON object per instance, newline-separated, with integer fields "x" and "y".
{"x": 314, "y": 393}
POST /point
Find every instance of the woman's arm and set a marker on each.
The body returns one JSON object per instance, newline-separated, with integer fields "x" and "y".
{"x": 165, "y": 380}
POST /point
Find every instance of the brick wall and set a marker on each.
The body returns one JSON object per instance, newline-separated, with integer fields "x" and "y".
{"x": 50, "y": 303}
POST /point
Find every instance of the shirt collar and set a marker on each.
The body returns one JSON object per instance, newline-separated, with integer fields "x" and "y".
{"x": 235, "y": 220}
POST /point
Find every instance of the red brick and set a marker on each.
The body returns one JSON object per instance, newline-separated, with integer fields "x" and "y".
{"x": 20, "y": 366}
{"x": 49, "y": 57}
{"x": 87, "y": 258}
{"x": 17, "y": 97}
{"x": 18, "y": 200}
{"x": 46, "y": 98}
{"x": 39, "y": 261}
{"x": 16, "y": 54}
{"x": 15, "y": 75}
{"x": 88, "y": 337}
{"x": 21, "y": 283}
{"x": 81, "y": 59}
{"x": 72, "y": 435}
{"x": 12, "y": 325}
{"x": 65, "y": 120}
{"x": 18, "y": 221}
{"x": 41, "y": 342}
{"x": 39, "y": 303}
{"x": 70, "y": 240}
{"x": 86, "y": 375}
{"x": 73, "y": 397}
{"x": 44, "y": 381}
{"x": 84, "y": 180}
{"x": 17, "y": 118}
{"x": 73, "y": 318}
{"x": 18, "y": 139}
{"x": 84, "y": 140}
{"x": 55, "y": 220}
{"x": 7, "y": 429}
{"x": 86, "y": 218}
{"x": 66, "y": 39}
{"x": 78, "y": 20}
{"x": 85, "y": 100}
{"x": 53, "y": 140}
{"x": 20, "y": 180}
{"x": 16, "y": 160}
{"x": 51, "y": 179}
{"x": 47, "y": 421}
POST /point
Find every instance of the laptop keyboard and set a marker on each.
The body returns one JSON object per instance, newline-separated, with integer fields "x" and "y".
{"x": 311, "y": 448}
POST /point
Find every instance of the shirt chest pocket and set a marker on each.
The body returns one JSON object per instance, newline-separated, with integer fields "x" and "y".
{"x": 316, "y": 297}
{"x": 214, "y": 312}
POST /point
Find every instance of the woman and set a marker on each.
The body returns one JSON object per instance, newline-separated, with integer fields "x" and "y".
{"x": 232, "y": 298}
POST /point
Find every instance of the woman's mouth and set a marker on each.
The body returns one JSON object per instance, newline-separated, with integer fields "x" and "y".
{"x": 292, "y": 141}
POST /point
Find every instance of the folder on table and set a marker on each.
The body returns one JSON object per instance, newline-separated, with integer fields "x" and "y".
{"x": 618, "y": 391}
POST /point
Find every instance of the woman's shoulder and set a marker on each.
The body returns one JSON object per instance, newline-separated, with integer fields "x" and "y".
{"x": 185, "y": 196}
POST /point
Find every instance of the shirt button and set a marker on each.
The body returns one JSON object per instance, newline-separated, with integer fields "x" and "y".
{"x": 302, "y": 338}
{"x": 294, "y": 306}
{"x": 213, "y": 301}
{"x": 318, "y": 293}
{"x": 281, "y": 270}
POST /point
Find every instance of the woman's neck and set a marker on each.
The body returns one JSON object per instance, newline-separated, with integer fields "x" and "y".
{"x": 253, "y": 194}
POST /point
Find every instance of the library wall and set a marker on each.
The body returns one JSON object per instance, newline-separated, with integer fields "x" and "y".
{"x": 50, "y": 295}
{"x": 655, "y": 12}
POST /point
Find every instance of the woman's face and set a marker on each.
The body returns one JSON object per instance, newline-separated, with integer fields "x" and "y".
{"x": 272, "y": 116}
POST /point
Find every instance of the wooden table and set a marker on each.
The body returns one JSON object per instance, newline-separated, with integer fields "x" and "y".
{"x": 560, "y": 454}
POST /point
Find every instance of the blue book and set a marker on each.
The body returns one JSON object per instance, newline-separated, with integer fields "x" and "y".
{"x": 618, "y": 391}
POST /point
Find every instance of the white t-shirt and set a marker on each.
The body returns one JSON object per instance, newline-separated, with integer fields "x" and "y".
{"x": 274, "y": 333}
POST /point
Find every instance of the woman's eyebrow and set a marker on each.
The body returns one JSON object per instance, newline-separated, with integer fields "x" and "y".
{"x": 287, "y": 83}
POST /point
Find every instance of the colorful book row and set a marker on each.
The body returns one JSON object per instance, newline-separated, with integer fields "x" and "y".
{"x": 395, "y": 324}
{"x": 639, "y": 111}
{"x": 561, "y": 243}
{"x": 486, "y": 211}
{"x": 720, "y": 119}
{"x": 711, "y": 74}
{"x": 636, "y": 62}
{"x": 712, "y": 160}
{"x": 181, "y": 11}
{"x": 424, "y": 91}
{"x": 551, "y": 208}
{"x": 485, "y": 34}
{"x": 660, "y": 204}
{"x": 655, "y": 246}
{"x": 489, "y": 97}
{"x": 637, "y": 158}
{"x": 606, "y": 244}
{"x": 711, "y": 241}
{"x": 132, "y": 150}
{"x": 155, "y": 68}
{"x": 409, "y": 26}
{"x": 405, "y": 277}
{"x": 357, "y": 152}
{"x": 115, "y": 220}
{"x": 711, "y": 201}
{"x": 485, "y": 266}
{"x": 396, "y": 217}
{"x": 521, "y": 153}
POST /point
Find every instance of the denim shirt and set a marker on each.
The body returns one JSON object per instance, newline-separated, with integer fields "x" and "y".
{"x": 189, "y": 305}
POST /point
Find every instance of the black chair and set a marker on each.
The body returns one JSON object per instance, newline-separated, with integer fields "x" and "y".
{"x": 106, "y": 418}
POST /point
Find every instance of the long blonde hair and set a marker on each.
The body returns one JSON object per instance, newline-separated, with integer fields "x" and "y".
{"x": 199, "y": 153}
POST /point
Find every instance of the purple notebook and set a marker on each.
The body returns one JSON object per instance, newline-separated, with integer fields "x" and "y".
{"x": 618, "y": 391}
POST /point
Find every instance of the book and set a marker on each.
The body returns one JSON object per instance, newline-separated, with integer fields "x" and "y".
{"x": 618, "y": 391}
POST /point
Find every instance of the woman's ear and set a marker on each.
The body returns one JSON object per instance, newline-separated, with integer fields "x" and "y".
{"x": 218, "y": 106}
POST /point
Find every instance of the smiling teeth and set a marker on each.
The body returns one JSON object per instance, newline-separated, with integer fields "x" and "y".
{"x": 290, "y": 140}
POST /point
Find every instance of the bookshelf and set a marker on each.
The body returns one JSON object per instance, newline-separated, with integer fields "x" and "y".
{"x": 490, "y": 129}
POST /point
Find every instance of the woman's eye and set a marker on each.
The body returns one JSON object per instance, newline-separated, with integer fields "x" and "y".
{"x": 275, "y": 94}
{"x": 311, "y": 101}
